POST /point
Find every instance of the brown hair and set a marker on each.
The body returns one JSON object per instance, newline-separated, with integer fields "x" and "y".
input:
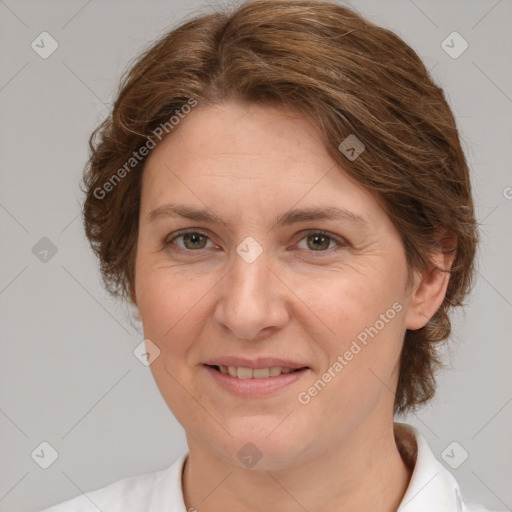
{"x": 351, "y": 77}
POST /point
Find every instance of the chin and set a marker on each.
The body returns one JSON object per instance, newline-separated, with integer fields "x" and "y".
{"x": 259, "y": 443}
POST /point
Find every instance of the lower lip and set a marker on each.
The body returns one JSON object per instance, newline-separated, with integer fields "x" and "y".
{"x": 254, "y": 387}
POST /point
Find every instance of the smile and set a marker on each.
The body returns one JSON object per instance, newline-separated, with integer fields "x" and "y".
{"x": 242, "y": 372}
{"x": 245, "y": 381}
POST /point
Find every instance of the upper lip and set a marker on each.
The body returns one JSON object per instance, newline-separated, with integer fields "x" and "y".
{"x": 259, "y": 362}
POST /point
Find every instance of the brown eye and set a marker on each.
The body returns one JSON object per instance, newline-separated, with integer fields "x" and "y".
{"x": 191, "y": 240}
{"x": 194, "y": 240}
{"x": 320, "y": 242}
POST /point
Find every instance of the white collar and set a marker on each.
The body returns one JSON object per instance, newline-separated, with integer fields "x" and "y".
{"x": 432, "y": 486}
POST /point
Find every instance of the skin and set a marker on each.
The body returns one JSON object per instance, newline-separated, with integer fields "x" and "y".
{"x": 248, "y": 164}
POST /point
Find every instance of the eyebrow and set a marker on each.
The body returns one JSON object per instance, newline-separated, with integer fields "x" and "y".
{"x": 285, "y": 219}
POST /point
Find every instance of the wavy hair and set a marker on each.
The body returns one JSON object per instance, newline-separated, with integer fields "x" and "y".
{"x": 346, "y": 74}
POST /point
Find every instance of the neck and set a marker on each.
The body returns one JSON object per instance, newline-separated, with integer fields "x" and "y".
{"x": 364, "y": 473}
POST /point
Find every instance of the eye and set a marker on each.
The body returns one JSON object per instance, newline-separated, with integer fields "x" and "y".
{"x": 192, "y": 240}
{"x": 316, "y": 241}
{"x": 320, "y": 241}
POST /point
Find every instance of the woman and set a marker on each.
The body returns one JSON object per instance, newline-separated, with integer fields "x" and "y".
{"x": 281, "y": 192}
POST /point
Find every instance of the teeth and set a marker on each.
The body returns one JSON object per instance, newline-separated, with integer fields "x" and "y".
{"x": 244, "y": 373}
{"x": 256, "y": 373}
{"x": 261, "y": 373}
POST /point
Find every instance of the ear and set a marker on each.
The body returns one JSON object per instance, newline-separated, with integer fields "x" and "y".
{"x": 430, "y": 285}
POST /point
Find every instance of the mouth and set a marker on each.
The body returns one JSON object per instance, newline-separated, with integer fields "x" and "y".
{"x": 242, "y": 372}
{"x": 253, "y": 382}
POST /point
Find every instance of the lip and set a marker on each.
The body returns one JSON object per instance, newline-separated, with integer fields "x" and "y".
{"x": 255, "y": 387}
{"x": 259, "y": 362}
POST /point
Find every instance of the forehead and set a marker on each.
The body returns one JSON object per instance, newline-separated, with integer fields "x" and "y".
{"x": 242, "y": 131}
{"x": 256, "y": 157}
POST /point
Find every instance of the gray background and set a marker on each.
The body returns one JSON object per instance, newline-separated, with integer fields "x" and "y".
{"x": 67, "y": 372}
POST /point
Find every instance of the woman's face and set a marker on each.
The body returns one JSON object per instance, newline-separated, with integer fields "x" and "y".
{"x": 266, "y": 288}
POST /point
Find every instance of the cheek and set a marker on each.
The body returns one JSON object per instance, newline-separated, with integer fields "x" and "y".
{"x": 364, "y": 314}
{"x": 165, "y": 294}
{"x": 170, "y": 307}
{"x": 348, "y": 302}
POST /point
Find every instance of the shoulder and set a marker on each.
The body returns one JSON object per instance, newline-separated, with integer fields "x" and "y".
{"x": 128, "y": 494}
{"x": 133, "y": 494}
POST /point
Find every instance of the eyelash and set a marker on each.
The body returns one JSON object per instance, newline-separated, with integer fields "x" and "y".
{"x": 168, "y": 244}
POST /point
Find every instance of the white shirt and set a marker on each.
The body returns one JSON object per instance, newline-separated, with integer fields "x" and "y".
{"x": 432, "y": 487}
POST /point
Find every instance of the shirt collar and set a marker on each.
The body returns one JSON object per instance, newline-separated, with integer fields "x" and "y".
{"x": 432, "y": 486}
{"x": 167, "y": 492}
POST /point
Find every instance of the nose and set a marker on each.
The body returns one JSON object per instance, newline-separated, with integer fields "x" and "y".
{"x": 252, "y": 300}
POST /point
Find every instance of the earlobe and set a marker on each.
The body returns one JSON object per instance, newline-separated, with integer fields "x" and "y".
{"x": 429, "y": 288}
